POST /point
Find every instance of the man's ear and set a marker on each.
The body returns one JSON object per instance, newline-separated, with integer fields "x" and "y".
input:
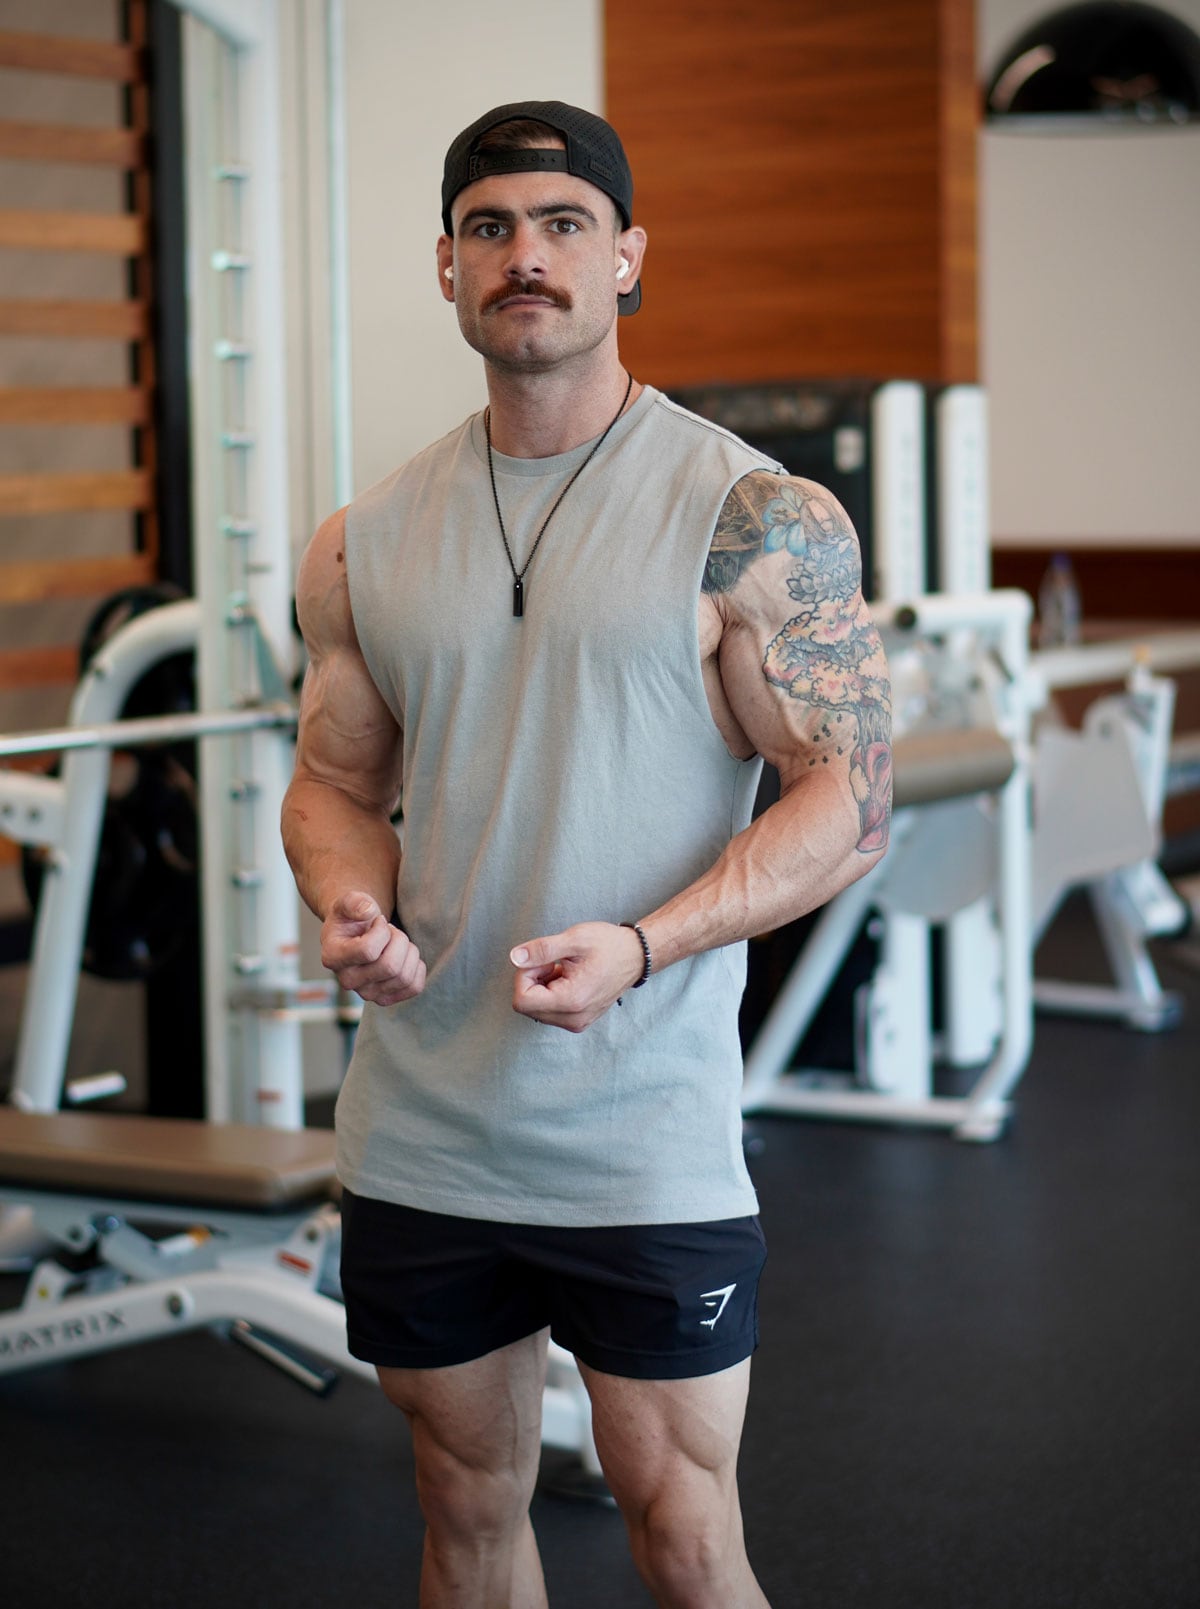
{"x": 445, "y": 266}
{"x": 631, "y": 245}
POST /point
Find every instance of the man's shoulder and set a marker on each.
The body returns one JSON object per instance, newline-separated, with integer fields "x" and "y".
{"x": 414, "y": 471}
{"x": 701, "y": 434}
{"x": 767, "y": 514}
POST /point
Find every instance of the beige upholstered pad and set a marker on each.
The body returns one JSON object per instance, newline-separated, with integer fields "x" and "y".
{"x": 949, "y": 764}
{"x": 231, "y": 1165}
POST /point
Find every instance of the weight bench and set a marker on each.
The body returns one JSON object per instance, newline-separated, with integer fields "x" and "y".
{"x": 161, "y": 1225}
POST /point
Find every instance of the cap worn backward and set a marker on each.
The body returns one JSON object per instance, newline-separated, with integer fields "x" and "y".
{"x": 593, "y": 152}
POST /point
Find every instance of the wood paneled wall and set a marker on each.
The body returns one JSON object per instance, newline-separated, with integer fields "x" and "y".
{"x": 806, "y": 172}
{"x": 47, "y": 372}
{"x": 78, "y": 510}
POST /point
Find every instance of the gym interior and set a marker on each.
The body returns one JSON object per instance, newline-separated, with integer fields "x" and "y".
{"x": 970, "y": 1090}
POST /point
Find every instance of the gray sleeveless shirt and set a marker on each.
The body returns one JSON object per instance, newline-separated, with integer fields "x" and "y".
{"x": 559, "y": 768}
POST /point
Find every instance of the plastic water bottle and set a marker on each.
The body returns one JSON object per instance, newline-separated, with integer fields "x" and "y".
{"x": 1059, "y": 607}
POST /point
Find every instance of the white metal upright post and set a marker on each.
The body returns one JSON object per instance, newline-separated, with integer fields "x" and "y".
{"x": 971, "y": 951}
{"x": 242, "y": 550}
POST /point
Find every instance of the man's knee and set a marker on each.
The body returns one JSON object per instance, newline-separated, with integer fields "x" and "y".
{"x": 467, "y": 1500}
{"x": 476, "y": 1451}
{"x": 688, "y": 1555}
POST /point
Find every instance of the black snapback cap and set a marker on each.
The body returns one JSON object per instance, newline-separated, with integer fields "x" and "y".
{"x": 593, "y": 152}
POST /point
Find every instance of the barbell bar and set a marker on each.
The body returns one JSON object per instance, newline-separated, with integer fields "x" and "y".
{"x": 148, "y": 731}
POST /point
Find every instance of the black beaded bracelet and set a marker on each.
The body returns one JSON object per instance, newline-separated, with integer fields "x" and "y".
{"x": 647, "y": 958}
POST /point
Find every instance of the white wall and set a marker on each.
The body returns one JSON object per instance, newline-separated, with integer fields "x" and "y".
{"x": 416, "y": 75}
{"x": 1090, "y": 303}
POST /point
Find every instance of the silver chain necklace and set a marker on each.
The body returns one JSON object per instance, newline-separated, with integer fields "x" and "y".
{"x": 518, "y": 593}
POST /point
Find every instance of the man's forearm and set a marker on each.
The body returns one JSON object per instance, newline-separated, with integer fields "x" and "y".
{"x": 334, "y": 845}
{"x": 795, "y": 856}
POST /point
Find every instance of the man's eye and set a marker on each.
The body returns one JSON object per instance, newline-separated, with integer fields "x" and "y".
{"x": 490, "y": 231}
{"x": 565, "y": 226}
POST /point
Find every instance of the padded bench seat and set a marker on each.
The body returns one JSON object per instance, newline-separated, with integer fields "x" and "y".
{"x": 166, "y": 1159}
{"x": 949, "y": 763}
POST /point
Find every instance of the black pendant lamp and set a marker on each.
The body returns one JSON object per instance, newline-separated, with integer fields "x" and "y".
{"x": 1104, "y": 64}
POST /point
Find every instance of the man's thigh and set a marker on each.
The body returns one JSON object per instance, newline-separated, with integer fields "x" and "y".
{"x": 484, "y": 1416}
{"x": 675, "y": 1437}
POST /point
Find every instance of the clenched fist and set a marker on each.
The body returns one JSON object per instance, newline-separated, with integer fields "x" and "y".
{"x": 568, "y": 979}
{"x": 367, "y": 954}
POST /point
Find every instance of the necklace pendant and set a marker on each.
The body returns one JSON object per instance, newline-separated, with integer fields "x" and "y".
{"x": 518, "y": 598}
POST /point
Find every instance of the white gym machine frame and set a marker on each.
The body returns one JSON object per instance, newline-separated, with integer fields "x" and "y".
{"x": 954, "y": 850}
{"x": 1124, "y": 753}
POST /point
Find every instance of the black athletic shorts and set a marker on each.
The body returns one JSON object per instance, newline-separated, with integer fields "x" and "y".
{"x": 652, "y": 1302}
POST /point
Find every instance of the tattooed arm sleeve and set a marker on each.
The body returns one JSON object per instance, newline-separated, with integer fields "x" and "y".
{"x": 785, "y": 566}
{"x": 801, "y": 672}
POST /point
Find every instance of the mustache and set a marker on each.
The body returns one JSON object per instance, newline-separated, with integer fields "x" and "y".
{"x": 526, "y": 287}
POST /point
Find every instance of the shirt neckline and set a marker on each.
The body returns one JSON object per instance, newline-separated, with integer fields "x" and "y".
{"x": 559, "y": 463}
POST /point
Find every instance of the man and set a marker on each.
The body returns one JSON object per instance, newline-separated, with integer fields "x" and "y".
{"x": 565, "y": 634}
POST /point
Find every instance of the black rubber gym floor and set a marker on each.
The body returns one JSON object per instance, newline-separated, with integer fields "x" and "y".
{"x": 977, "y": 1390}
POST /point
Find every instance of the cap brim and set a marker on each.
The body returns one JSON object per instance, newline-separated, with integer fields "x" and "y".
{"x": 629, "y": 301}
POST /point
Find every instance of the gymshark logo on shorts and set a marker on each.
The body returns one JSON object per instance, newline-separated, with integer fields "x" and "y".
{"x": 711, "y": 1298}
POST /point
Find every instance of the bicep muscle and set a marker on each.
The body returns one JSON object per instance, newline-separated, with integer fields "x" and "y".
{"x": 800, "y": 659}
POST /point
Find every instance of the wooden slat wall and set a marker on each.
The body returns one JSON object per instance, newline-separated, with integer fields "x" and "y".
{"x": 70, "y": 494}
{"x": 37, "y": 581}
{"x": 50, "y": 484}
{"x": 49, "y": 142}
{"x": 120, "y": 321}
{"x": 806, "y": 174}
{"x": 144, "y": 366}
{"x": 81, "y": 58}
{"x": 958, "y": 199}
{"x": 74, "y": 405}
{"x": 32, "y": 668}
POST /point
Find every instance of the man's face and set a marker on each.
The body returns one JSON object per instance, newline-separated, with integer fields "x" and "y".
{"x": 535, "y": 257}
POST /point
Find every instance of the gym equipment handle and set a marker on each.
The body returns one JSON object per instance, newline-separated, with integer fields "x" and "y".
{"x": 147, "y": 731}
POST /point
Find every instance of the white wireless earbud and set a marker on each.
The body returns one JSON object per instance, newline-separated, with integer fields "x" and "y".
{"x": 624, "y": 268}
{"x": 447, "y": 273}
